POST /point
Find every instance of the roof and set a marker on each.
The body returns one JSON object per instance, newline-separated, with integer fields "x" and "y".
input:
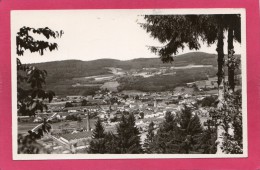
{"x": 78, "y": 135}
{"x": 81, "y": 107}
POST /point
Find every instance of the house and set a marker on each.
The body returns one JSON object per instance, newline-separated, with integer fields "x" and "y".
{"x": 190, "y": 84}
{"x": 98, "y": 96}
{"x": 209, "y": 84}
{"x": 76, "y": 137}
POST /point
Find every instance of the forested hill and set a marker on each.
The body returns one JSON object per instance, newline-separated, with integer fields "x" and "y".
{"x": 77, "y": 68}
{"x": 61, "y": 73}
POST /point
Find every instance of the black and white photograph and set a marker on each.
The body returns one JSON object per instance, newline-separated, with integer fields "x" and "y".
{"x": 128, "y": 83}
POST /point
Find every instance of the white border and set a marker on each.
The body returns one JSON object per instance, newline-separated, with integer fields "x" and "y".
{"x": 241, "y": 11}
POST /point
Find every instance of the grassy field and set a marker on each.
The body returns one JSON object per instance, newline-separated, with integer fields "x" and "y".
{"x": 111, "y": 85}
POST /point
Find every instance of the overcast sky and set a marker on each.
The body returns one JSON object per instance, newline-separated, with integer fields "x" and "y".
{"x": 93, "y": 34}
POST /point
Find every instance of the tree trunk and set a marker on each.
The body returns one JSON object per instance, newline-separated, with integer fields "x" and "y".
{"x": 231, "y": 64}
{"x": 231, "y": 71}
{"x": 220, "y": 74}
{"x": 221, "y": 62}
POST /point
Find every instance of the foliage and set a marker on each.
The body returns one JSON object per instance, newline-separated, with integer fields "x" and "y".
{"x": 127, "y": 139}
{"x": 177, "y": 134}
{"x": 69, "y": 104}
{"x": 99, "y": 130}
{"x": 111, "y": 143}
{"x": 128, "y": 136}
{"x": 234, "y": 33}
{"x": 97, "y": 144}
{"x": 84, "y": 102}
{"x": 164, "y": 82}
{"x": 175, "y": 31}
{"x": 30, "y": 80}
{"x": 229, "y": 116}
{"x": 149, "y": 138}
{"x": 73, "y": 117}
{"x": 167, "y": 139}
{"x": 209, "y": 101}
{"x": 31, "y": 100}
{"x": 141, "y": 115}
{"x": 26, "y": 42}
{"x": 28, "y": 145}
{"x": 207, "y": 141}
{"x": 178, "y": 31}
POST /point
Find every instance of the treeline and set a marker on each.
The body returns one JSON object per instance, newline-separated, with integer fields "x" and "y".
{"x": 60, "y": 70}
{"x": 178, "y": 134}
{"x": 165, "y": 82}
{"x": 126, "y": 140}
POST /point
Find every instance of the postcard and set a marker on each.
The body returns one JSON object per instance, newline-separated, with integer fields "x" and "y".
{"x": 128, "y": 84}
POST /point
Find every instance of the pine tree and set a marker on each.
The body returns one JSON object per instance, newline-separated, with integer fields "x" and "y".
{"x": 97, "y": 144}
{"x": 149, "y": 138}
{"x": 111, "y": 144}
{"x": 177, "y": 134}
{"x": 167, "y": 139}
{"x": 189, "y": 130}
{"x": 128, "y": 136}
{"x": 99, "y": 130}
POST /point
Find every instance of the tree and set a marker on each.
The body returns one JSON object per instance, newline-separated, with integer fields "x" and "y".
{"x": 229, "y": 118}
{"x": 30, "y": 93}
{"x": 195, "y": 88}
{"x": 149, "y": 138}
{"x": 176, "y": 31}
{"x": 209, "y": 101}
{"x": 189, "y": 128}
{"x": 30, "y": 80}
{"x": 24, "y": 41}
{"x": 68, "y": 104}
{"x": 99, "y": 131}
{"x": 128, "y": 136}
{"x": 233, "y": 25}
{"x": 141, "y": 115}
{"x": 180, "y": 30}
{"x": 166, "y": 139}
{"x": 177, "y": 134}
{"x": 125, "y": 97}
{"x": 111, "y": 143}
{"x": 207, "y": 141}
{"x": 97, "y": 144}
{"x": 84, "y": 102}
{"x": 30, "y": 100}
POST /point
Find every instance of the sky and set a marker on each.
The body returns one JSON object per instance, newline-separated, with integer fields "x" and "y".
{"x": 94, "y": 34}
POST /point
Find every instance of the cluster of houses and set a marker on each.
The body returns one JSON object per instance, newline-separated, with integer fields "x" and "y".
{"x": 146, "y": 107}
{"x": 212, "y": 83}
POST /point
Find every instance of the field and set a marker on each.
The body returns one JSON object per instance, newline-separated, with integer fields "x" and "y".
{"x": 111, "y": 85}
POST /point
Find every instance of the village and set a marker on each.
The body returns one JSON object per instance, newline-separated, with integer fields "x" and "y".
{"x": 72, "y": 118}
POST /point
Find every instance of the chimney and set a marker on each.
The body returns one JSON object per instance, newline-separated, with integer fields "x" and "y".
{"x": 88, "y": 124}
{"x": 87, "y": 121}
{"x": 155, "y": 103}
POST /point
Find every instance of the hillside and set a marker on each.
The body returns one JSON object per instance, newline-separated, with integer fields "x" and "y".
{"x": 76, "y": 68}
{"x": 62, "y": 74}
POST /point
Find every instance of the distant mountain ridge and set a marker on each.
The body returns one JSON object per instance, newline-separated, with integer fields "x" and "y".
{"x": 197, "y": 58}
{"x": 61, "y": 73}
